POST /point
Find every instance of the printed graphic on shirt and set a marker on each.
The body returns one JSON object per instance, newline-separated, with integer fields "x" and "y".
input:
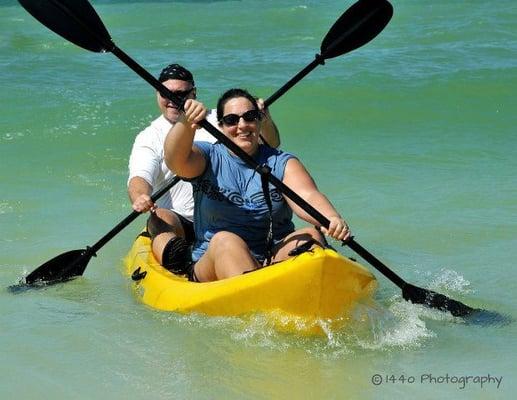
{"x": 254, "y": 201}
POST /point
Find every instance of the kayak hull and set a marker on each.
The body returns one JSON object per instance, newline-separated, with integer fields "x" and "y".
{"x": 315, "y": 286}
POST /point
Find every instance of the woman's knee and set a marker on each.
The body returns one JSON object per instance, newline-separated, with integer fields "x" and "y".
{"x": 224, "y": 240}
{"x": 227, "y": 255}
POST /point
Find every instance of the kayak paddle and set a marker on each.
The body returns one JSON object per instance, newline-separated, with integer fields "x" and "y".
{"x": 358, "y": 25}
{"x": 73, "y": 263}
{"x": 78, "y": 22}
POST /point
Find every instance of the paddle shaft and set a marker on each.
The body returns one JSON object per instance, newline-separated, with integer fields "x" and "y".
{"x": 356, "y": 247}
{"x": 320, "y": 58}
{"x": 294, "y": 80}
{"x": 130, "y": 218}
{"x": 146, "y": 76}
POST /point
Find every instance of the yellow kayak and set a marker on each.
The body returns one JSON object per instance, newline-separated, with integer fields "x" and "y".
{"x": 299, "y": 293}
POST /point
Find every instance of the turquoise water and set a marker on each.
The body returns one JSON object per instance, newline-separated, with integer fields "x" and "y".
{"x": 412, "y": 137}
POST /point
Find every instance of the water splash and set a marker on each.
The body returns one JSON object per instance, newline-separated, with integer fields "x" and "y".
{"x": 370, "y": 327}
{"x": 5, "y": 208}
{"x": 11, "y": 136}
{"x": 451, "y": 281}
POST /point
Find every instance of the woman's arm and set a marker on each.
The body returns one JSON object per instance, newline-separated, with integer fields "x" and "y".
{"x": 181, "y": 156}
{"x": 298, "y": 179}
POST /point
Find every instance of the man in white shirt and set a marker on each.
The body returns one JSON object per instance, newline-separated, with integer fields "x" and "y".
{"x": 170, "y": 224}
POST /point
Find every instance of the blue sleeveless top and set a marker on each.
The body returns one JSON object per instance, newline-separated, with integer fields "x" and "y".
{"x": 228, "y": 197}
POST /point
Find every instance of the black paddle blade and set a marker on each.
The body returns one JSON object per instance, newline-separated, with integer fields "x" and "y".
{"x": 75, "y": 20}
{"x": 61, "y": 268}
{"x": 488, "y": 318}
{"x": 357, "y": 26}
{"x": 439, "y": 301}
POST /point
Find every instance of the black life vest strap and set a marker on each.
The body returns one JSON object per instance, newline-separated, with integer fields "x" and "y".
{"x": 265, "y": 172}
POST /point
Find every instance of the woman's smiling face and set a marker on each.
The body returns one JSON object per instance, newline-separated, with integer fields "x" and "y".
{"x": 245, "y": 133}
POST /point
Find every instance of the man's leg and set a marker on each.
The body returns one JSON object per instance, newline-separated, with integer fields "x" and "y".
{"x": 169, "y": 244}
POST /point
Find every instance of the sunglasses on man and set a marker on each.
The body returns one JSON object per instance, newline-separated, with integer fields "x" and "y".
{"x": 180, "y": 94}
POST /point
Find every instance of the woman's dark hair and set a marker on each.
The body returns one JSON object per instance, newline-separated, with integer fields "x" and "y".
{"x": 232, "y": 94}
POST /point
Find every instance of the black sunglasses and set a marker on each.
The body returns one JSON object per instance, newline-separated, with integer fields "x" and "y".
{"x": 248, "y": 116}
{"x": 181, "y": 94}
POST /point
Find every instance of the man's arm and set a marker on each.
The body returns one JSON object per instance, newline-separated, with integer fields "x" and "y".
{"x": 139, "y": 191}
{"x": 144, "y": 166}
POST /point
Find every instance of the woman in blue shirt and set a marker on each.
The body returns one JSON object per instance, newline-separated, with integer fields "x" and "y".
{"x": 236, "y": 231}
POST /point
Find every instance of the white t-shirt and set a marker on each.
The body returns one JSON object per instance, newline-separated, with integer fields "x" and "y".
{"x": 147, "y": 161}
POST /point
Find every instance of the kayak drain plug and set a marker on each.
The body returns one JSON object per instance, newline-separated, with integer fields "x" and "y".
{"x": 138, "y": 275}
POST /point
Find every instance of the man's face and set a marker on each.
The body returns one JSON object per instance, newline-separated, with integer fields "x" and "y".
{"x": 167, "y": 107}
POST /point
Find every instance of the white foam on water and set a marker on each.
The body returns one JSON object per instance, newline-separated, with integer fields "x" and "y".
{"x": 10, "y": 136}
{"x": 5, "y": 208}
{"x": 452, "y": 281}
{"x": 403, "y": 324}
{"x": 369, "y": 327}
